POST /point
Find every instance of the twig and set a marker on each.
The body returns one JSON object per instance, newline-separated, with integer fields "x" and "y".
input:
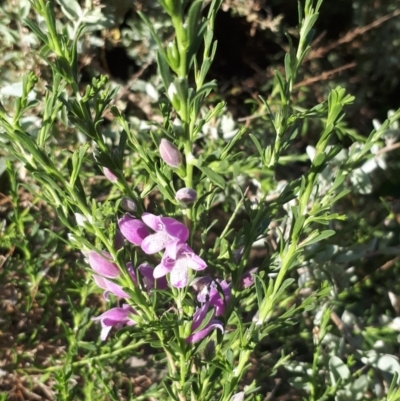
{"x": 321, "y": 51}
{"x": 388, "y": 148}
{"x": 325, "y": 75}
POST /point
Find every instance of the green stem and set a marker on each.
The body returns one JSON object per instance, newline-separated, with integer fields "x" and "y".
{"x": 84, "y": 362}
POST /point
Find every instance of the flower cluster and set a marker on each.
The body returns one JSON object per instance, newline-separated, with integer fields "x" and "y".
{"x": 153, "y": 234}
{"x": 105, "y": 271}
{"x": 156, "y": 233}
{"x": 213, "y": 296}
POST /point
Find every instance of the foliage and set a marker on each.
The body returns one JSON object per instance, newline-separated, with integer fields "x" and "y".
{"x": 184, "y": 187}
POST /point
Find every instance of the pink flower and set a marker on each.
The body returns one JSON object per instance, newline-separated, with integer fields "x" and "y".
{"x": 247, "y": 279}
{"x": 115, "y": 317}
{"x": 134, "y": 230}
{"x": 177, "y": 260}
{"x": 146, "y": 272}
{"x": 217, "y": 294}
{"x": 216, "y": 300}
{"x": 198, "y": 319}
{"x": 109, "y": 286}
{"x": 102, "y": 264}
{"x": 168, "y": 231}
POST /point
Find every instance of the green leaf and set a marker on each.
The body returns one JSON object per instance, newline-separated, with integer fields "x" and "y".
{"x": 38, "y": 32}
{"x": 258, "y": 146}
{"x": 338, "y": 370}
{"x": 193, "y": 20}
{"x": 153, "y": 33}
{"x": 316, "y": 237}
{"x": 163, "y": 67}
{"x": 214, "y": 177}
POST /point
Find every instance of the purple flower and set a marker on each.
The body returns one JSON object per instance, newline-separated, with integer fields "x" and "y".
{"x": 134, "y": 230}
{"x": 146, "y": 271}
{"x": 215, "y": 297}
{"x": 199, "y": 283}
{"x": 109, "y": 286}
{"x": 115, "y": 317}
{"x": 198, "y": 318}
{"x": 170, "y": 153}
{"x": 177, "y": 259}
{"x": 168, "y": 231}
{"x": 102, "y": 264}
{"x": 211, "y": 293}
{"x": 247, "y": 279}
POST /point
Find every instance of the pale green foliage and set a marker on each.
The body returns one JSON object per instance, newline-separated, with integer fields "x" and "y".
{"x": 306, "y": 268}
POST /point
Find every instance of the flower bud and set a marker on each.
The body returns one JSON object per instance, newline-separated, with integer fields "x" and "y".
{"x": 102, "y": 264}
{"x": 110, "y": 175}
{"x": 170, "y": 153}
{"x": 186, "y": 195}
{"x": 128, "y": 204}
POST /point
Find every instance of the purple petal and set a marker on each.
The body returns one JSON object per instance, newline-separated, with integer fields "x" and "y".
{"x": 115, "y": 317}
{"x": 199, "y": 316}
{"x": 118, "y": 240}
{"x": 155, "y": 242}
{"x": 161, "y": 270}
{"x": 247, "y": 279}
{"x": 214, "y": 324}
{"x": 197, "y": 263}
{"x": 179, "y": 275}
{"x": 116, "y": 289}
{"x": 175, "y": 229}
{"x": 152, "y": 221}
{"x": 102, "y": 265}
{"x": 109, "y": 286}
{"x": 200, "y": 282}
{"x": 134, "y": 230}
{"x": 131, "y": 271}
{"x": 217, "y": 301}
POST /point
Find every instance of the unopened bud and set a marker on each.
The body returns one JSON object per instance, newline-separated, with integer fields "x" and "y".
{"x": 128, "y": 204}
{"x": 186, "y": 195}
{"x": 170, "y": 153}
{"x": 110, "y": 175}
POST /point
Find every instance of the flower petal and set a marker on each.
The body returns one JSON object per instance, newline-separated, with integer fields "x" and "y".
{"x": 155, "y": 242}
{"x": 161, "y": 270}
{"x": 179, "y": 275}
{"x": 195, "y": 337}
{"x": 116, "y": 289}
{"x": 216, "y": 300}
{"x": 115, "y": 317}
{"x": 247, "y": 279}
{"x": 102, "y": 265}
{"x": 134, "y": 230}
{"x": 199, "y": 316}
{"x": 152, "y": 221}
{"x": 175, "y": 228}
